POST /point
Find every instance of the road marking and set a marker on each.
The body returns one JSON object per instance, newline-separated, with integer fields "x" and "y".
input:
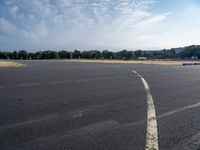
{"x": 152, "y": 131}
{"x": 28, "y": 85}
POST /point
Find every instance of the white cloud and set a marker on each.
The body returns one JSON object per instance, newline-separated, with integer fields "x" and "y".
{"x": 148, "y": 23}
{"x": 82, "y": 24}
{"x": 37, "y": 33}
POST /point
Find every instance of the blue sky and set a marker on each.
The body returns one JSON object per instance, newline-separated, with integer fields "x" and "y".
{"x": 98, "y": 24}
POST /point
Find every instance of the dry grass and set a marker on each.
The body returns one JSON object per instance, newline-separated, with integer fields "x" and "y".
{"x": 148, "y": 62}
{"x": 5, "y": 64}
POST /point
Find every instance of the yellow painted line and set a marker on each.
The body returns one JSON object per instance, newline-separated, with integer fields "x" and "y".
{"x": 152, "y": 130}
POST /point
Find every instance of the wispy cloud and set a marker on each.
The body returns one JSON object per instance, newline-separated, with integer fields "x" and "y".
{"x": 6, "y": 25}
{"x": 150, "y": 22}
{"x": 82, "y": 24}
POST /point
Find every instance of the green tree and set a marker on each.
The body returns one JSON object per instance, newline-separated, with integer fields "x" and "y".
{"x": 54, "y": 55}
{"x": 64, "y": 54}
{"x": 76, "y": 54}
{"x": 22, "y": 54}
{"x": 138, "y": 53}
{"x": 107, "y": 54}
{"x": 15, "y": 55}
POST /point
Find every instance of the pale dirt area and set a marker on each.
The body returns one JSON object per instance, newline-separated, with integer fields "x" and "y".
{"x": 147, "y": 62}
{"x": 5, "y": 64}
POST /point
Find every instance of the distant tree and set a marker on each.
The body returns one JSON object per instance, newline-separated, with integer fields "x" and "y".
{"x": 138, "y": 53}
{"x": 9, "y": 55}
{"x": 107, "y": 54}
{"x": 5, "y": 55}
{"x": 31, "y": 55}
{"x": 64, "y": 54}
{"x": 15, "y": 55}
{"x": 38, "y": 55}
{"x": 96, "y": 54}
{"x": 190, "y": 51}
{"x": 23, "y": 54}
{"x": 76, "y": 54}
{"x": 133, "y": 55}
{"x": 45, "y": 55}
{"x": 92, "y": 54}
{"x": 185, "y": 53}
{"x": 197, "y": 53}
{"x": 86, "y": 54}
{"x": 125, "y": 55}
{"x": 50, "y": 55}
{"x": 1, "y": 55}
{"x": 54, "y": 55}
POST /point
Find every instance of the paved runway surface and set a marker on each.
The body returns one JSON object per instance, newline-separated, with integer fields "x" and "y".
{"x": 57, "y": 105}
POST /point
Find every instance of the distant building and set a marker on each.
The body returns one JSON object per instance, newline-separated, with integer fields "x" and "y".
{"x": 142, "y": 58}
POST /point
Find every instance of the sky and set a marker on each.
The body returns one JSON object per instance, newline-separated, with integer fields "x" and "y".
{"x": 98, "y": 24}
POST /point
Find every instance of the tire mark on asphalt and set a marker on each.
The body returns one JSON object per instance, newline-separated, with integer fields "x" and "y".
{"x": 28, "y": 85}
{"x": 58, "y": 82}
{"x": 66, "y": 82}
{"x": 101, "y": 78}
{"x": 28, "y": 122}
{"x": 179, "y": 110}
{"x": 92, "y": 130}
{"x": 192, "y": 144}
{"x": 152, "y": 130}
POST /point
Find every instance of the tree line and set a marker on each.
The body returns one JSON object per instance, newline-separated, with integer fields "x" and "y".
{"x": 190, "y": 52}
{"x": 91, "y": 54}
{"x": 186, "y": 53}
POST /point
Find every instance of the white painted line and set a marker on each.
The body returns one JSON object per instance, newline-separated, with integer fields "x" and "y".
{"x": 28, "y": 85}
{"x": 152, "y": 130}
{"x": 137, "y": 74}
{"x": 134, "y": 72}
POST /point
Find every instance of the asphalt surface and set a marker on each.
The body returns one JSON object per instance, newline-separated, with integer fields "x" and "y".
{"x": 57, "y": 105}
